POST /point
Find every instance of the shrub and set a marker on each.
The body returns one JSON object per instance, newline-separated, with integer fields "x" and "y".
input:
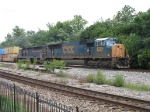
{"x": 100, "y": 78}
{"x": 34, "y": 62}
{"x": 54, "y": 64}
{"x": 19, "y": 64}
{"x": 2, "y": 64}
{"x": 27, "y": 65}
{"x": 119, "y": 80}
{"x": 143, "y": 59}
{"x": 91, "y": 78}
{"x": 138, "y": 87}
{"x": 46, "y": 65}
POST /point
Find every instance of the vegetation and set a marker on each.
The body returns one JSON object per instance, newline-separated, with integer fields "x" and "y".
{"x": 142, "y": 87}
{"x": 51, "y": 66}
{"x": 20, "y": 64}
{"x": 131, "y": 28}
{"x": 7, "y": 105}
{"x": 2, "y": 64}
{"x": 98, "y": 78}
{"x": 119, "y": 81}
{"x": 34, "y": 62}
{"x": 27, "y": 65}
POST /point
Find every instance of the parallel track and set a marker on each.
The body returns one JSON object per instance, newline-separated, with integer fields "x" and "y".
{"x": 94, "y": 67}
{"x": 118, "y": 102}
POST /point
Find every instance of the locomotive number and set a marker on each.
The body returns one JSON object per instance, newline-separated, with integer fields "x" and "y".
{"x": 100, "y": 49}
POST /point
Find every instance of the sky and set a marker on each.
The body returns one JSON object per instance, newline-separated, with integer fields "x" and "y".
{"x": 35, "y": 14}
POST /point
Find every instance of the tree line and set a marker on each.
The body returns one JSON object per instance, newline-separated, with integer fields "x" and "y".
{"x": 130, "y": 27}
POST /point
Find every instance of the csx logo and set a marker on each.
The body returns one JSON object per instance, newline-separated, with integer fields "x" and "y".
{"x": 68, "y": 49}
{"x": 100, "y": 49}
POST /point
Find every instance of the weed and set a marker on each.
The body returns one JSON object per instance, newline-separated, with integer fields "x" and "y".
{"x": 19, "y": 64}
{"x": 2, "y": 65}
{"x": 34, "y": 62}
{"x": 91, "y": 78}
{"x": 142, "y": 87}
{"x": 61, "y": 74}
{"x": 100, "y": 78}
{"x": 119, "y": 80}
{"x": 27, "y": 65}
{"x": 54, "y": 64}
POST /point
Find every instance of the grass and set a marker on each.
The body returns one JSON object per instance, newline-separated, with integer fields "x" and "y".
{"x": 2, "y": 65}
{"x": 91, "y": 78}
{"x": 61, "y": 74}
{"x": 38, "y": 75}
{"x": 100, "y": 78}
{"x": 7, "y": 105}
{"x": 119, "y": 81}
{"x": 138, "y": 87}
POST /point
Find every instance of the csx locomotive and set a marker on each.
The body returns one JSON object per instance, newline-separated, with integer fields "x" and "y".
{"x": 103, "y": 52}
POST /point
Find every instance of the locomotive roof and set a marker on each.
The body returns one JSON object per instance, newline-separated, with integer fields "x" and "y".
{"x": 105, "y": 38}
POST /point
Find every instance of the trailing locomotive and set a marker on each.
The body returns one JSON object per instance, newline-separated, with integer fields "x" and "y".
{"x": 104, "y": 52}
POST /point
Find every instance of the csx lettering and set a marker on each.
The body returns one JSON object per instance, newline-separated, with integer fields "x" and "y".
{"x": 100, "y": 49}
{"x": 68, "y": 49}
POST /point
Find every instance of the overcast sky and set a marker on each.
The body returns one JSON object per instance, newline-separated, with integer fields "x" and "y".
{"x": 35, "y": 14}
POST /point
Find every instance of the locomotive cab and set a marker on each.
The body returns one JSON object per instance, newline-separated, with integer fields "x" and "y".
{"x": 110, "y": 53}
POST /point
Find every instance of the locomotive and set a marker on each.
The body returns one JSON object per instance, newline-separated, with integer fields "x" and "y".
{"x": 103, "y": 52}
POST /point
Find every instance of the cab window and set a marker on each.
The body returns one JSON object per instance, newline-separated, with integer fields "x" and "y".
{"x": 100, "y": 43}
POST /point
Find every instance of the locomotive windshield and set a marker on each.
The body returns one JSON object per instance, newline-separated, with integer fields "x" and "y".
{"x": 111, "y": 41}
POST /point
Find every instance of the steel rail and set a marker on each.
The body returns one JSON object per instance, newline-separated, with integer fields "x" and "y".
{"x": 113, "y": 100}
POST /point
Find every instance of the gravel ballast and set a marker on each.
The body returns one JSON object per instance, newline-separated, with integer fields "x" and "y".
{"x": 76, "y": 74}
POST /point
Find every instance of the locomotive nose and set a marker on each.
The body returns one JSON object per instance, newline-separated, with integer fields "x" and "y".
{"x": 118, "y": 50}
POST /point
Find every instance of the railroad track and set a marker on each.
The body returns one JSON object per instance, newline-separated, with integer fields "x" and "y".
{"x": 117, "y": 102}
{"x": 94, "y": 67}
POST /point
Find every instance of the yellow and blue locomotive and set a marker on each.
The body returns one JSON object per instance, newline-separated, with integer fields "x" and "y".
{"x": 103, "y": 52}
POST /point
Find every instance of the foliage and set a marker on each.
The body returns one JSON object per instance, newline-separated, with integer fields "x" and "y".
{"x": 27, "y": 65}
{"x": 34, "y": 62}
{"x": 46, "y": 65}
{"x": 91, "y": 78}
{"x": 142, "y": 87}
{"x": 132, "y": 44}
{"x": 100, "y": 78}
{"x": 2, "y": 64}
{"x": 62, "y": 74}
{"x": 143, "y": 57}
{"x": 7, "y": 105}
{"x": 54, "y": 64}
{"x": 119, "y": 80}
{"x": 19, "y": 64}
{"x": 126, "y": 15}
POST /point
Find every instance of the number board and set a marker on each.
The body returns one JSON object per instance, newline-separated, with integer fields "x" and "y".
{"x": 100, "y": 49}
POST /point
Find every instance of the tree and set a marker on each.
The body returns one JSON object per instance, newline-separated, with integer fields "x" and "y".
{"x": 126, "y": 15}
{"x": 78, "y": 23}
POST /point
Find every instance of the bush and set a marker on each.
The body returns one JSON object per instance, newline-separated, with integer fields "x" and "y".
{"x": 138, "y": 87}
{"x": 19, "y": 64}
{"x": 54, "y": 64}
{"x": 91, "y": 78}
{"x": 143, "y": 59}
{"x": 119, "y": 80}
{"x": 27, "y": 65}
{"x": 34, "y": 62}
{"x": 100, "y": 78}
